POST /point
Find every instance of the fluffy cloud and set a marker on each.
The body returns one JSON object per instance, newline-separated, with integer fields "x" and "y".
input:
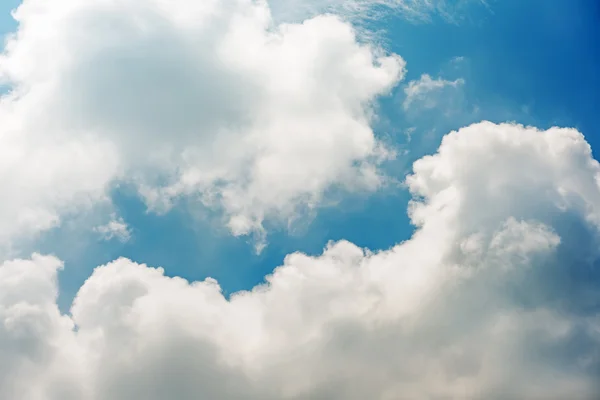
{"x": 45, "y": 172}
{"x": 212, "y": 100}
{"x": 494, "y": 297}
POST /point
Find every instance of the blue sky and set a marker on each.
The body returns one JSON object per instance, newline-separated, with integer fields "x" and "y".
{"x": 194, "y": 132}
{"x": 532, "y": 62}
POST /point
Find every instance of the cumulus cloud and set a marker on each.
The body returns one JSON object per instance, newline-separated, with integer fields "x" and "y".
{"x": 45, "y": 173}
{"x": 212, "y": 100}
{"x": 427, "y": 93}
{"x": 469, "y": 307}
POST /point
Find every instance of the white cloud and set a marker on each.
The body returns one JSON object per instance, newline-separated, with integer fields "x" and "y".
{"x": 116, "y": 228}
{"x": 426, "y": 92}
{"x": 469, "y": 307}
{"x": 207, "y": 99}
{"x": 44, "y": 174}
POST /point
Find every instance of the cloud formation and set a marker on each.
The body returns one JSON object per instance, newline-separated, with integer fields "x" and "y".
{"x": 214, "y": 101}
{"x": 426, "y": 92}
{"x": 116, "y": 228}
{"x": 469, "y": 307}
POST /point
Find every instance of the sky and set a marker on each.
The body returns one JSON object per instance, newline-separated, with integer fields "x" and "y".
{"x": 329, "y": 199}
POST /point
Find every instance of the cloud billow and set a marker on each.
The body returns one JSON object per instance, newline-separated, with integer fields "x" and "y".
{"x": 467, "y": 307}
{"x": 495, "y": 295}
{"x": 212, "y": 101}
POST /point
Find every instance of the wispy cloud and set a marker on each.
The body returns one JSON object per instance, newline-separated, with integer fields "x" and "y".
{"x": 426, "y": 91}
{"x": 116, "y": 228}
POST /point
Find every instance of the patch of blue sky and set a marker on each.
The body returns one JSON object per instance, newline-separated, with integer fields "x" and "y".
{"x": 7, "y": 26}
{"x": 533, "y": 62}
{"x": 196, "y": 248}
{"x": 7, "y": 22}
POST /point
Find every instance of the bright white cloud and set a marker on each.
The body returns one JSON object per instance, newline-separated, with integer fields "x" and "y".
{"x": 116, "y": 228}
{"x": 206, "y": 99}
{"x": 45, "y": 173}
{"x": 469, "y": 307}
{"x": 426, "y": 92}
